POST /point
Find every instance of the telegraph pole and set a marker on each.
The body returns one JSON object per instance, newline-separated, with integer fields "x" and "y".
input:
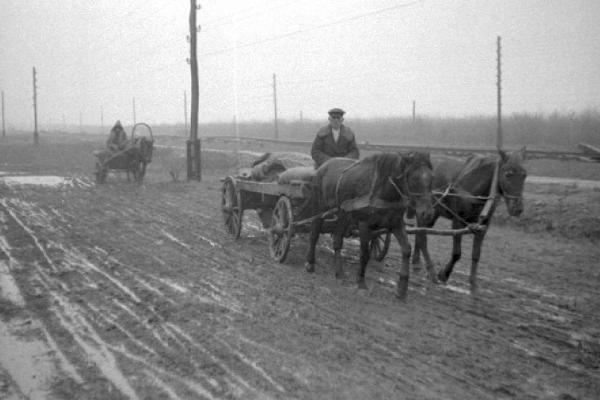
{"x": 36, "y": 139}
{"x": 275, "y": 105}
{"x": 499, "y": 84}
{"x": 185, "y": 116}
{"x": 3, "y": 127}
{"x": 193, "y": 144}
{"x": 414, "y": 112}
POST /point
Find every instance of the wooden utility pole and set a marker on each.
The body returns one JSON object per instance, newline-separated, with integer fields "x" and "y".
{"x": 193, "y": 144}
{"x": 414, "y": 112}
{"x": 185, "y": 108}
{"x": 499, "y": 84}
{"x": 3, "y": 126}
{"x": 275, "y": 105}
{"x": 36, "y": 138}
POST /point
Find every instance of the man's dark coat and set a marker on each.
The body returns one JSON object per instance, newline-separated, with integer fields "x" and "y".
{"x": 324, "y": 146}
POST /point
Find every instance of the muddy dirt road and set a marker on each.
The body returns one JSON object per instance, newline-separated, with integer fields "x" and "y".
{"x": 125, "y": 291}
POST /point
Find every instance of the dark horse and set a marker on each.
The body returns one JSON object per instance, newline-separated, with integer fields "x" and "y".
{"x": 133, "y": 159}
{"x": 461, "y": 191}
{"x": 372, "y": 194}
{"x": 146, "y": 148}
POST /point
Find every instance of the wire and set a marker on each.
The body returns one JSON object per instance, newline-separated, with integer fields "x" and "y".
{"x": 305, "y": 30}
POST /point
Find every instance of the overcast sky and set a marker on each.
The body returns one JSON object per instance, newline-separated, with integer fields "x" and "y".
{"x": 372, "y": 58}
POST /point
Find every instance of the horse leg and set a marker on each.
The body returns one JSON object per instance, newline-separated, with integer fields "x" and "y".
{"x": 315, "y": 231}
{"x": 364, "y": 234}
{"x": 338, "y": 242}
{"x": 476, "y": 253}
{"x": 444, "y": 274}
{"x": 421, "y": 245}
{"x": 421, "y": 248}
{"x": 416, "y": 254}
{"x": 404, "y": 274}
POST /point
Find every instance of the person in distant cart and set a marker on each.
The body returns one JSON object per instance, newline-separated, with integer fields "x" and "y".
{"x": 334, "y": 140}
{"x": 117, "y": 140}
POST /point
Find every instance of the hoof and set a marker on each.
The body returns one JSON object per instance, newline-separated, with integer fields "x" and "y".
{"x": 362, "y": 285}
{"x": 434, "y": 279}
{"x": 310, "y": 267}
{"x": 340, "y": 275}
{"x": 432, "y": 275}
{"x": 442, "y": 277}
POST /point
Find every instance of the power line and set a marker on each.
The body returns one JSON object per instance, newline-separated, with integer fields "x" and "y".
{"x": 305, "y": 30}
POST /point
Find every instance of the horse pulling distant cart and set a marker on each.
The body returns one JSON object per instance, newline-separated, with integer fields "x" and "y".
{"x": 284, "y": 209}
{"x": 133, "y": 159}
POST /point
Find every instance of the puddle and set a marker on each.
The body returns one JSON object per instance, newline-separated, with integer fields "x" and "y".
{"x": 27, "y": 361}
{"x": 457, "y": 289}
{"x": 43, "y": 180}
{"x": 587, "y": 184}
{"x": 8, "y": 287}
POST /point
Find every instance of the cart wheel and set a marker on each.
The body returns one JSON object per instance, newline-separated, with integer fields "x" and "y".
{"x": 231, "y": 206}
{"x": 282, "y": 229}
{"x": 380, "y": 245}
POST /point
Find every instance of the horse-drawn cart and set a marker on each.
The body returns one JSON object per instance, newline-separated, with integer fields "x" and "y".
{"x": 133, "y": 159}
{"x": 284, "y": 209}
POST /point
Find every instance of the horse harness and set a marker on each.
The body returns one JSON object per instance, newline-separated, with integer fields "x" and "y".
{"x": 451, "y": 187}
{"x": 369, "y": 200}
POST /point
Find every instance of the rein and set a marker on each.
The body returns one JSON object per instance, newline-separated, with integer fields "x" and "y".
{"x": 492, "y": 196}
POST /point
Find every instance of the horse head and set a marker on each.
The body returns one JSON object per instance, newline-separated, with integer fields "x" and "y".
{"x": 511, "y": 180}
{"x": 413, "y": 181}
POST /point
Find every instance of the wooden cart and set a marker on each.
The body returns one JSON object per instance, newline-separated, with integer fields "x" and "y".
{"x": 284, "y": 209}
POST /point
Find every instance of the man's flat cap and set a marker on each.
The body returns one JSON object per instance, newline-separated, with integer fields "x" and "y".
{"x": 336, "y": 111}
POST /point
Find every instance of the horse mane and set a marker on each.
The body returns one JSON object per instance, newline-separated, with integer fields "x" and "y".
{"x": 473, "y": 164}
{"x": 384, "y": 164}
{"x": 470, "y": 178}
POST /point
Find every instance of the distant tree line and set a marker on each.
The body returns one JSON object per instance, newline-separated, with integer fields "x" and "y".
{"x": 559, "y": 131}
{"x": 550, "y": 131}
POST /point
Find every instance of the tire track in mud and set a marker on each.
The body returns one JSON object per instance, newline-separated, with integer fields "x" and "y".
{"x": 175, "y": 332}
{"x": 487, "y": 316}
{"x": 471, "y": 383}
{"x": 184, "y": 310}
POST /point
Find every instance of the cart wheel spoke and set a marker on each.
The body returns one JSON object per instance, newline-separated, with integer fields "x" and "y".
{"x": 282, "y": 229}
{"x": 380, "y": 245}
{"x": 231, "y": 207}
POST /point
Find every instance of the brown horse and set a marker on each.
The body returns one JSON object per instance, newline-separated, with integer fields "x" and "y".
{"x": 372, "y": 194}
{"x": 461, "y": 191}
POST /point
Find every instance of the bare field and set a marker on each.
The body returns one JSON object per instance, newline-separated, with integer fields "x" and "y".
{"x": 127, "y": 291}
